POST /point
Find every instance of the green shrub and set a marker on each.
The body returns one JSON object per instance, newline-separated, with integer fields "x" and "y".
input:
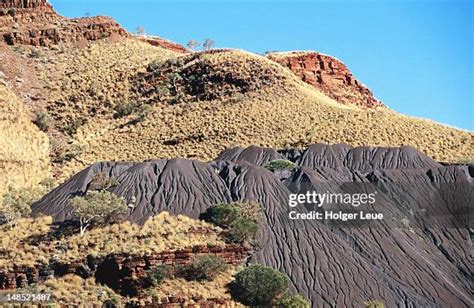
{"x": 294, "y": 301}
{"x": 259, "y": 285}
{"x": 224, "y": 214}
{"x": 42, "y": 121}
{"x": 17, "y": 204}
{"x": 221, "y": 215}
{"x": 158, "y": 275}
{"x": 240, "y": 219}
{"x": 205, "y": 267}
{"x": 242, "y": 230}
{"x": 71, "y": 127}
{"x": 280, "y": 164}
{"x": 98, "y": 208}
{"x": 125, "y": 109}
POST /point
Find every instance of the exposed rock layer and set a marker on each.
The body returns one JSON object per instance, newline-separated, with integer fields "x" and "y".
{"x": 24, "y": 4}
{"x": 328, "y": 75}
{"x": 121, "y": 272}
{"x": 408, "y": 263}
{"x": 36, "y": 23}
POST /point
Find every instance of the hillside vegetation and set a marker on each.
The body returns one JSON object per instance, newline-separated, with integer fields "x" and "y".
{"x": 32, "y": 241}
{"x": 24, "y": 149}
{"x": 133, "y": 101}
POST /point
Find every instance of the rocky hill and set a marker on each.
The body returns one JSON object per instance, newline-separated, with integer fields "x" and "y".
{"x": 182, "y": 130}
{"x": 328, "y": 75}
{"x": 36, "y": 23}
{"x": 402, "y": 255}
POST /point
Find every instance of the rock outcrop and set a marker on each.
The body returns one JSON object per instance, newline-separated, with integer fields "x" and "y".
{"x": 37, "y": 23}
{"x": 163, "y": 43}
{"x": 23, "y": 4}
{"x": 400, "y": 260}
{"x": 121, "y": 272}
{"x": 328, "y": 75}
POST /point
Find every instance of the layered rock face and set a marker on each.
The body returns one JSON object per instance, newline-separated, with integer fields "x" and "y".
{"x": 23, "y": 4}
{"x": 166, "y": 44}
{"x": 328, "y": 75}
{"x": 406, "y": 260}
{"x": 36, "y": 23}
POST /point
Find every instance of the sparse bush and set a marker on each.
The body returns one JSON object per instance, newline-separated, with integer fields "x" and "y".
{"x": 140, "y": 31}
{"x": 280, "y": 164}
{"x": 143, "y": 111}
{"x": 17, "y": 204}
{"x": 34, "y": 53}
{"x": 240, "y": 219}
{"x": 125, "y": 109}
{"x": 259, "y": 285}
{"x": 205, "y": 267}
{"x": 72, "y": 152}
{"x": 101, "y": 181}
{"x": 224, "y": 214}
{"x": 98, "y": 208}
{"x": 156, "y": 276}
{"x": 42, "y": 120}
{"x": 71, "y": 127}
{"x": 221, "y": 215}
{"x": 192, "y": 44}
{"x": 242, "y": 230}
{"x": 294, "y": 301}
{"x": 208, "y": 44}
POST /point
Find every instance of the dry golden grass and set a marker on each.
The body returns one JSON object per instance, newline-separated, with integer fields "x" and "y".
{"x": 70, "y": 290}
{"x": 15, "y": 251}
{"x": 216, "y": 289}
{"x": 89, "y": 83}
{"x": 163, "y": 232}
{"x": 24, "y": 153}
{"x": 81, "y": 84}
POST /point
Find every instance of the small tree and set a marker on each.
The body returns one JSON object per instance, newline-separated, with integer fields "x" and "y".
{"x": 259, "y": 285}
{"x": 192, "y": 44}
{"x": 140, "y": 31}
{"x": 208, "y": 44}
{"x": 98, "y": 207}
{"x": 17, "y": 204}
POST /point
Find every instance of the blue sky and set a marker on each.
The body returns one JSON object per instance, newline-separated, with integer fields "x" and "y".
{"x": 416, "y": 55}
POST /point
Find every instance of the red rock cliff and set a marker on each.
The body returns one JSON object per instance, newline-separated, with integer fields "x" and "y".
{"x": 328, "y": 75}
{"x": 34, "y": 22}
{"x": 23, "y": 4}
